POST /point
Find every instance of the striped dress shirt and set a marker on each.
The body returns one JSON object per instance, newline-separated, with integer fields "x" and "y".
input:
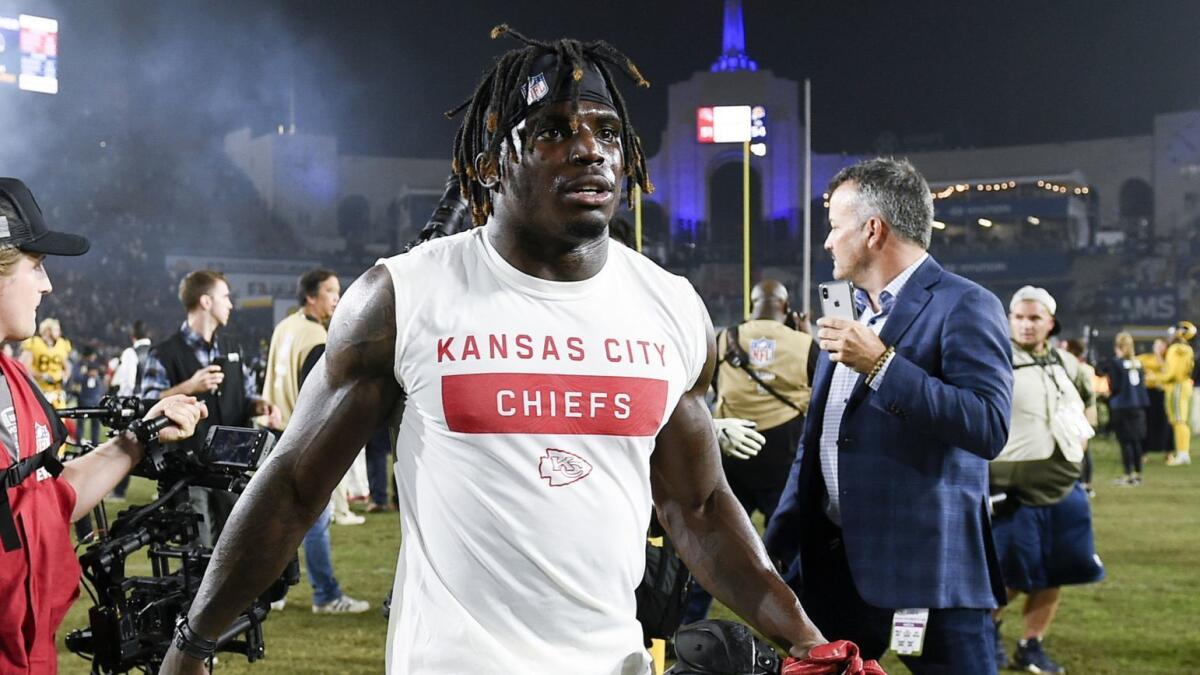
{"x": 843, "y": 382}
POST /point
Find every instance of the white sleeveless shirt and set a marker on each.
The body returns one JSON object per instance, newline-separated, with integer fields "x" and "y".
{"x": 523, "y": 456}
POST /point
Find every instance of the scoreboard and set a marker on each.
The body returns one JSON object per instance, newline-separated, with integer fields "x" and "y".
{"x": 29, "y": 53}
{"x": 733, "y": 124}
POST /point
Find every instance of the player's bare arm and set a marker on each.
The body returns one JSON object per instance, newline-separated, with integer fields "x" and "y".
{"x": 710, "y": 528}
{"x": 348, "y": 395}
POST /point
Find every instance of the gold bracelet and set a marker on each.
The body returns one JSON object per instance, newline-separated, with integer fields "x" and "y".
{"x": 883, "y": 358}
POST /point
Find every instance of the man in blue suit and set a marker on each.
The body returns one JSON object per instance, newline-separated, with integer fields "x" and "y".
{"x": 886, "y": 507}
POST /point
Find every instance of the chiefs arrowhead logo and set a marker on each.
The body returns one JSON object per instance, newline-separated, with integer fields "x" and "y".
{"x": 563, "y": 468}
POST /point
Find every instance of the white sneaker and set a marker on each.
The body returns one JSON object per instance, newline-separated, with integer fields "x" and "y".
{"x": 342, "y": 605}
{"x": 351, "y": 519}
{"x": 1179, "y": 459}
{"x": 278, "y": 605}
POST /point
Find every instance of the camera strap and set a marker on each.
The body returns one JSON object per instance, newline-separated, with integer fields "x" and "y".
{"x": 1046, "y": 363}
{"x": 737, "y": 357}
{"x": 14, "y": 476}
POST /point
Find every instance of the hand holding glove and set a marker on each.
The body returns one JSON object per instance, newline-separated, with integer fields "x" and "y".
{"x": 737, "y": 437}
{"x": 834, "y": 658}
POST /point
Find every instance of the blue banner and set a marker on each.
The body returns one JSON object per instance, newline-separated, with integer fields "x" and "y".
{"x": 1022, "y": 268}
{"x": 959, "y": 210}
{"x": 1142, "y": 306}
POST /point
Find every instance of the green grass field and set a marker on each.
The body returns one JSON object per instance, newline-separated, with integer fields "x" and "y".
{"x": 1143, "y": 618}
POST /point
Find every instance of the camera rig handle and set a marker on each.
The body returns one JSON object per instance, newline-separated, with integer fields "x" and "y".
{"x": 116, "y": 412}
{"x": 147, "y": 430}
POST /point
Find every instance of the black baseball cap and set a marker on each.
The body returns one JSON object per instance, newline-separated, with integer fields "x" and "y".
{"x": 28, "y": 231}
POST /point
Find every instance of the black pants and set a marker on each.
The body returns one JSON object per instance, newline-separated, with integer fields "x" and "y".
{"x": 1158, "y": 429}
{"x": 758, "y": 482}
{"x": 1130, "y": 426}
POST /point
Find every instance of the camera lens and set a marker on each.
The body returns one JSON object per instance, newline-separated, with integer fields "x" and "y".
{"x": 825, "y": 293}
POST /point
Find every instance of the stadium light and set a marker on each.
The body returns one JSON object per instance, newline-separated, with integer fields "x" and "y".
{"x": 1034, "y": 220}
{"x": 985, "y": 222}
{"x": 939, "y": 225}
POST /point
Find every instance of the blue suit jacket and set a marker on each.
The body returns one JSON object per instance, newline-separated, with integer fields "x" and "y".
{"x": 913, "y": 456}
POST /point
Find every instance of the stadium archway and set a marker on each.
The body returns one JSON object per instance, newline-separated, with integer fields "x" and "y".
{"x": 723, "y": 231}
{"x": 1136, "y": 201}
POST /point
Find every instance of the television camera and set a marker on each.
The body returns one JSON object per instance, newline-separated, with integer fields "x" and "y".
{"x": 132, "y": 622}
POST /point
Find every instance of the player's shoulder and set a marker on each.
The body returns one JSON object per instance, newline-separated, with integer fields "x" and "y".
{"x": 653, "y": 276}
{"x": 435, "y": 252}
{"x": 435, "y": 267}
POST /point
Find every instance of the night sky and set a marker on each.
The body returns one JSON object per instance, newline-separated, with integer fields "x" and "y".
{"x": 975, "y": 73}
{"x": 378, "y": 75}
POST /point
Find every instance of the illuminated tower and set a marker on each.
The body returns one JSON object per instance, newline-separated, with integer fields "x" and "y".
{"x": 691, "y": 172}
{"x": 733, "y": 45}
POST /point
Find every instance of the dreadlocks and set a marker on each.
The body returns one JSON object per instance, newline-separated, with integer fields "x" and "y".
{"x": 493, "y": 111}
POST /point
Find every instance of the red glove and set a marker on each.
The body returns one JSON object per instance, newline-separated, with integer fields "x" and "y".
{"x": 835, "y": 658}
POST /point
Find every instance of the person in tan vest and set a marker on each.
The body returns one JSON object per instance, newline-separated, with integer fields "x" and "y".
{"x": 296, "y": 346}
{"x": 765, "y": 379}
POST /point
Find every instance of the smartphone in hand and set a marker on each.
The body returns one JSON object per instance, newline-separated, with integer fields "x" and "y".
{"x": 837, "y": 300}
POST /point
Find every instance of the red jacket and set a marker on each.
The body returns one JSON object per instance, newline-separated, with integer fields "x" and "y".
{"x": 40, "y": 580}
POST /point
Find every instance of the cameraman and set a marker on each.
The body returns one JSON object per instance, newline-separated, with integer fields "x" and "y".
{"x": 39, "y": 575}
{"x": 194, "y": 361}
